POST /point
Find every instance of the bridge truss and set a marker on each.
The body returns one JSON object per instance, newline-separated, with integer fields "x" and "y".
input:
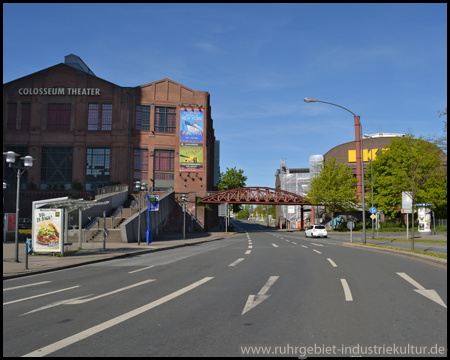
{"x": 256, "y": 195}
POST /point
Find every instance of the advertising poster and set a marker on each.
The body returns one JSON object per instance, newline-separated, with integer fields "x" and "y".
{"x": 191, "y": 126}
{"x": 191, "y": 157}
{"x": 10, "y": 222}
{"x": 47, "y": 230}
{"x": 424, "y": 214}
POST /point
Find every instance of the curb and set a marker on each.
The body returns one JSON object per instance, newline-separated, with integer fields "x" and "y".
{"x": 432, "y": 259}
{"x": 121, "y": 256}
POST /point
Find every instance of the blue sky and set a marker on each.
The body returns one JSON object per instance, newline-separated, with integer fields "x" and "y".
{"x": 385, "y": 62}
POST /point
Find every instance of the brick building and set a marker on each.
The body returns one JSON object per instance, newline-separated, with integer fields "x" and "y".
{"x": 85, "y": 132}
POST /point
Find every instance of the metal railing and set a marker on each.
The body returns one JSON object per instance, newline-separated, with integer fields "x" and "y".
{"x": 88, "y": 229}
{"x": 102, "y": 192}
{"x": 113, "y": 216}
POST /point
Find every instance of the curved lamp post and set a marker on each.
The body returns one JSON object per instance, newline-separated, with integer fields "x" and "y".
{"x": 359, "y": 159}
{"x": 27, "y": 163}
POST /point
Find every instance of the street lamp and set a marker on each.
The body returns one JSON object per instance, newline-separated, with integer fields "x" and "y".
{"x": 184, "y": 198}
{"x": 140, "y": 187}
{"x": 27, "y": 163}
{"x": 359, "y": 158}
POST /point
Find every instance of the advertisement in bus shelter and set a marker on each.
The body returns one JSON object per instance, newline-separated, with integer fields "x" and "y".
{"x": 47, "y": 230}
{"x": 191, "y": 157}
{"x": 191, "y": 126}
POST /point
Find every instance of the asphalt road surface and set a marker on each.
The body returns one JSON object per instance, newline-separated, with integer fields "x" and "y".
{"x": 259, "y": 293}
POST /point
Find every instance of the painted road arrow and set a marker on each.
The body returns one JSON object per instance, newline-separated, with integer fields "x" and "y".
{"x": 430, "y": 294}
{"x": 260, "y": 297}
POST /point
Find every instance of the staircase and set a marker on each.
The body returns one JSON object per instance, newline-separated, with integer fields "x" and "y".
{"x": 113, "y": 221}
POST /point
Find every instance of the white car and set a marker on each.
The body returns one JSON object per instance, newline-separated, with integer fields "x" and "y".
{"x": 316, "y": 231}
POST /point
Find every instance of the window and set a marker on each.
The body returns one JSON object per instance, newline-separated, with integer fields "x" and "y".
{"x": 58, "y": 117}
{"x": 142, "y": 117}
{"x": 141, "y": 165}
{"x": 97, "y": 167}
{"x": 25, "y": 116}
{"x": 164, "y": 169}
{"x": 165, "y": 119}
{"x": 93, "y": 117}
{"x": 12, "y": 116}
{"x": 106, "y": 116}
{"x": 56, "y": 168}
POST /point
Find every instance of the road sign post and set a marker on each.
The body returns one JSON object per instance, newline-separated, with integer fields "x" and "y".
{"x": 351, "y": 226}
{"x": 152, "y": 205}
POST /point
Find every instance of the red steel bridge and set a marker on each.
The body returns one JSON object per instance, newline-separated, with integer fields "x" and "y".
{"x": 256, "y": 195}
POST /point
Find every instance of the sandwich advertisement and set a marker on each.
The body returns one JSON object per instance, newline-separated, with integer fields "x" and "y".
{"x": 47, "y": 233}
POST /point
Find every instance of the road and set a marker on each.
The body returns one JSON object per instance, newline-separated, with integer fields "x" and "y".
{"x": 257, "y": 293}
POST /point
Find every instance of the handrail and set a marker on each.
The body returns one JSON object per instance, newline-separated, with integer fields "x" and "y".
{"x": 117, "y": 212}
{"x": 91, "y": 224}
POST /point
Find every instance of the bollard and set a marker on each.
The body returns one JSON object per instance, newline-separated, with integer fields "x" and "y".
{"x": 28, "y": 249}
{"x": 26, "y": 256}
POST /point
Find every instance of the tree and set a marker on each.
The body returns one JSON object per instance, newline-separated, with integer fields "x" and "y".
{"x": 232, "y": 179}
{"x": 407, "y": 164}
{"x": 334, "y": 188}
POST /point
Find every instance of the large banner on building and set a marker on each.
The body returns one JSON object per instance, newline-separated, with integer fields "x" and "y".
{"x": 191, "y": 126}
{"x": 191, "y": 140}
{"x": 191, "y": 157}
{"x": 47, "y": 230}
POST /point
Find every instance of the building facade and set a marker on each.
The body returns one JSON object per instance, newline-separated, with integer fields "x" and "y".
{"x": 85, "y": 132}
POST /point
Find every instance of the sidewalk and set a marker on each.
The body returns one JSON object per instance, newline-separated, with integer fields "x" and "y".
{"x": 93, "y": 252}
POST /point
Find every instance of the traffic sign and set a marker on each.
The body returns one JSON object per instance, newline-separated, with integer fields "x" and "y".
{"x": 154, "y": 202}
{"x": 373, "y": 216}
{"x": 373, "y": 210}
{"x": 350, "y": 225}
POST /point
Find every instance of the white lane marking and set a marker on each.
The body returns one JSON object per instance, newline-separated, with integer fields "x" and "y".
{"x": 236, "y": 262}
{"x": 294, "y": 243}
{"x": 56, "y": 303}
{"x": 304, "y": 246}
{"x": 36, "y": 296}
{"x": 317, "y": 251}
{"x": 347, "y": 292}
{"x": 316, "y": 244}
{"x": 22, "y": 286}
{"x": 275, "y": 245}
{"x": 76, "y": 302}
{"x": 332, "y": 262}
{"x": 250, "y": 247}
{"x": 253, "y": 300}
{"x": 148, "y": 267}
{"x": 411, "y": 281}
{"x": 248, "y": 252}
{"x": 430, "y": 294}
{"x": 117, "y": 320}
